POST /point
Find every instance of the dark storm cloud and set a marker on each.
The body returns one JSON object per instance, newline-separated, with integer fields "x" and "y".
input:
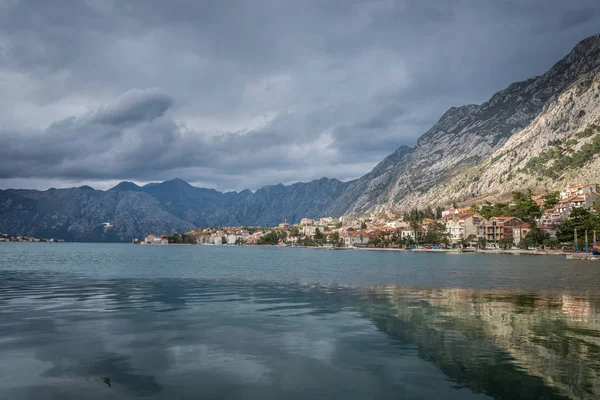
{"x": 238, "y": 93}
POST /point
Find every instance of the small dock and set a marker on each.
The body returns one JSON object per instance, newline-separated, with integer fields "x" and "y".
{"x": 583, "y": 256}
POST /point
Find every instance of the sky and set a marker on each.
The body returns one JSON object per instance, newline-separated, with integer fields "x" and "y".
{"x": 238, "y": 94}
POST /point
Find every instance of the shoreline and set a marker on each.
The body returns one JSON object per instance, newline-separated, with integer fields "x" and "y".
{"x": 446, "y": 251}
{"x": 479, "y": 251}
{"x": 443, "y": 251}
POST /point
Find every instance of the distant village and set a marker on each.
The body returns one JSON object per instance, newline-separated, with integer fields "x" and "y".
{"x": 5, "y": 237}
{"x": 528, "y": 221}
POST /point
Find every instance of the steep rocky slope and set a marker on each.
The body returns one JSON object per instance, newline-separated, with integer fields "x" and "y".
{"x": 451, "y": 161}
{"x": 371, "y": 187}
{"x": 561, "y": 146}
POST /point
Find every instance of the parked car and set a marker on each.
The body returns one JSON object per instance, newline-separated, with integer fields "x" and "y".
{"x": 515, "y": 248}
{"x": 490, "y": 247}
{"x": 436, "y": 247}
{"x": 428, "y": 247}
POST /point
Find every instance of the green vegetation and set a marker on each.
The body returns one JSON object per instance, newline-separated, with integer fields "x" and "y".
{"x": 488, "y": 210}
{"x": 524, "y": 208}
{"x": 587, "y": 132}
{"x": 318, "y": 235}
{"x": 551, "y": 199}
{"x": 334, "y": 239}
{"x": 581, "y": 220}
{"x": 554, "y": 161}
{"x": 436, "y": 233}
{"x": 181, "y": 238}
{"x": 272, "y": 237}
{"x": 420, "y": 215}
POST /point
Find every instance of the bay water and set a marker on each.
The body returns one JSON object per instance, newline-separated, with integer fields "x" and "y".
{"x": 119, "y": 321}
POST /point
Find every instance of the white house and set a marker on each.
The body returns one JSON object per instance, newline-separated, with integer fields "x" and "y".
{"x": 155, "y": 239}
{"x": 231, "y": 239}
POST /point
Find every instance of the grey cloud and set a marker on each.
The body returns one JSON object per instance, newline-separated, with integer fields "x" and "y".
{"x": 134, "y": 106}
{"x": 247, "y": 93}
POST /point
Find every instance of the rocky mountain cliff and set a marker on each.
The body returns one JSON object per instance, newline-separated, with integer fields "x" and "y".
{"x": 473, "y": 150}
{"x": 540, "y": 134}
{"x": 79, "y": 214}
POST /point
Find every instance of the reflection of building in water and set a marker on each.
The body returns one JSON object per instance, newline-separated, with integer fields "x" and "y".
{"x": 472, "y": 335}
{"x": 580, "y": 309}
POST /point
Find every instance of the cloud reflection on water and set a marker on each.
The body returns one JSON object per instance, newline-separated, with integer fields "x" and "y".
{"x": 173, "y": 338}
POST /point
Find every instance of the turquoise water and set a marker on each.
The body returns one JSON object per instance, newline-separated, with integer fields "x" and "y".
{"x": 178, "y": 322}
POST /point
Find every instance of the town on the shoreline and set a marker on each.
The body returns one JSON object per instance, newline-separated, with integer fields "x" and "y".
{"x": 551, "y": 220}
{"x": 5, "y": 237}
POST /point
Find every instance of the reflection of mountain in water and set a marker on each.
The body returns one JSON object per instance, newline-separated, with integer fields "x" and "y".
{"x": 506, "y": 345}
{"x": 143, "y": 332}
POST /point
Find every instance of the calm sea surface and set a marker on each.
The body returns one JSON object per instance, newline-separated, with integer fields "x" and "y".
{"x": 104, "y": 321}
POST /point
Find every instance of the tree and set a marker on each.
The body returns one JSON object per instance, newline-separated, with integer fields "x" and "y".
{"x": 551, "y": 199}
{"x": 271, "y": 238}
{"x": 435, "y": 232}
{"x": 464, "y": 242}
{"x": 334, "y": 238}
{"x": 535, "y": 235}
{"x": 415, "y": 225}
{"x": 525, "y": 208}
{"x": 596, "y": 206}
{"x": 481, "y": 242}
{"x": 487, "y": 210}
{"x": 581, "y": 220}
{"x": 504, "y": 243}
{"x": 438, "y": 212}
{"x": 431, "y": 236}
{"x": 550, "y": 243}
{"x": 363, "y": 225}
{"x": 374, "y": 241}
{"x": 429, "y": 213}
{"x": 445, "y": 241}
{"x": 318, "y": 234}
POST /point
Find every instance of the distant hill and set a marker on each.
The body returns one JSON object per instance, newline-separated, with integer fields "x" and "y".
{"x": 78, "y": 214}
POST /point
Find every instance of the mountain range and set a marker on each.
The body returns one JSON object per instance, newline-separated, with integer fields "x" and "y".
{"x": 81, "y": 214}
{"x": 540, "y": 133}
